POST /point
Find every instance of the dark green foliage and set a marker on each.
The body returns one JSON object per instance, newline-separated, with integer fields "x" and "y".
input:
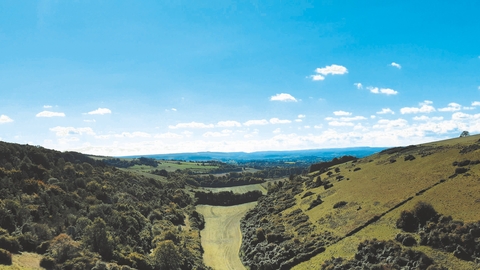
{"x": 339, "y": 204}
{"x": 9, "y": 243}
{"x": 226, "y": 197}
{"x": 424, "y": 212}
{"x": 409, "y": 158}
{"x": 373, "y": 254}
{"x": 46, "y": 193}
{"x": 5, "y": 257}
{"x": 323, "y": 166}
{"x": 315, "y": 202}
{"x": 407, "y": 221}
{"x": 47, "y": 262}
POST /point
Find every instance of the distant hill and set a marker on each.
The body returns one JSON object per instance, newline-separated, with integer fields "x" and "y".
{"x": 312, "y": 155}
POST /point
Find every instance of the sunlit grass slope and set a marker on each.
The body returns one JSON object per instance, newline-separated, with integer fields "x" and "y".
{"x": 376, "y": 186}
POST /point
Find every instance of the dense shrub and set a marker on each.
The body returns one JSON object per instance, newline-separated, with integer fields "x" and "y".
{"x": 47, "y": 262}
{"x": 5, "y": 257}
{"x": 9, "y": 243}
{"x": 424, "y": 212}
{"x": 339, "y": 204}
{"x": 407, "y": 221}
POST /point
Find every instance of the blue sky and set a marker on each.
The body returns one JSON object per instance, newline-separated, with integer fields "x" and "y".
{"x": 146, "y": 77}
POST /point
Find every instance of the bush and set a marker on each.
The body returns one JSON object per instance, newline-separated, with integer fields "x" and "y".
{"x": 339, "y": 204}
{"x": 5, "y": 257}
{"x": 9, "y": 243}
{"x": 47, "y": 262}
{"x": 407, "y": 221}
{"x": 424, "y": 212}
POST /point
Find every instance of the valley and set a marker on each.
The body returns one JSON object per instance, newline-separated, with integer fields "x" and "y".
{"x": 70, "y": 211}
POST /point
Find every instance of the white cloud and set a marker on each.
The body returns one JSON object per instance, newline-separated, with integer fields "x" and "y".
{"x": 279, "y": 121}
{"x": 386, "y": 91}
{"x": 174, "y": 109}
{"x": 452, "y": 107}
{"x": 316, "y": 126}
{"x": 358, "y": 85}
{"x": 346, "y": 119}
{"x": 191, "y": 125}
{"x": 426, "y": 118}
{"x": 393, "y": 64}
{"x": 283, "y": 97}
{"x": 332, "y": 69}
{"x": 425, "y": 108}
{"x": 385, "y": 111}
{"x": 301, "y": 116}
{"x": 5, "y": 119}
{"x": 388, "y": 124}
{"x": 90, "y": 121}
{"x": 224, "y": 133}
{"x": 319, "y": 78}
{"x": 479, "y": 88}
{"x": 298, "y": 120}
{"x": 256, "y": 122}
{"x": 277, "y": 130}
{"x": 340, "y": 124}
{"x": 228, "y": 124}
{"x": 136, "y": 134}
{"x": 47, "y": 106}
{"x": 476, "y": 103}
{"x": 67, "y": 131}
{"x": 168, "y": 135}
{"x": 50, "y": 114}
{"x": 342, "y": 113}
{"x": 100, "y": 111}
{"x": 465, "y": 116}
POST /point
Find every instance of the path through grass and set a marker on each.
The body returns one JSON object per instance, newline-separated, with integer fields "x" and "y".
{"x": 221, "y": 238}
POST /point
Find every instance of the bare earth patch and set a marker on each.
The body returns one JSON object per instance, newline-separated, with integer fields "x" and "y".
{"x": 26, "y": 260}
{"x": 221, "y": 238}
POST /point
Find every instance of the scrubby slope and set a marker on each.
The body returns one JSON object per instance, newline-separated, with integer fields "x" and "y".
{"x": 361, "y": 200}
{"x": 78, "y": 212}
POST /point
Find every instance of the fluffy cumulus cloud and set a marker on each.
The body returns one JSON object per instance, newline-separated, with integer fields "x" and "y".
{"x": 279, "y": 121}
{"x": 191, "y": 125}
{"x": 385, "y": 91}
{"x": 340, "y": 124}
{"x": 228, "y": 124}
{"x": 50, "y": 114}
{"x": 256, "y": 122}
{"x": 328, "y": 70}
{"x": 283, "y": 97}
{"x": 47, "y": 106}
{"x": 358, "y": 85}
{"x": 67, "y": 131}
{"x": 425, "y": 107}
{"x": 5, "y": 119}
{"x": 386, "y": 111}
{"x": 342, "y": 113}
{"x": 476, "y": 103}
{"x": 100, "y": 111}
{"x": 301, "y": 116}
{"x": 393, "y": 64}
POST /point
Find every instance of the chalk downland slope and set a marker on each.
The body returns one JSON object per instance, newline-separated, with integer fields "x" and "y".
{"x": 332, "y": 212}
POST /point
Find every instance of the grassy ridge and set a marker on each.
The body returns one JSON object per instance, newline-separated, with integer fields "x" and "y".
{"x": 361, "y": 200}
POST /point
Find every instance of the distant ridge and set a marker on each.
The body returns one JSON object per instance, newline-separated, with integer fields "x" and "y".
{"x": 294, "y": 155}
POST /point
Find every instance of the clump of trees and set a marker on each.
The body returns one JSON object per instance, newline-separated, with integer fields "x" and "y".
{"x": 226, "y": 198}
{"x": 442, "y": 232}
{"x": 323, "y": 166}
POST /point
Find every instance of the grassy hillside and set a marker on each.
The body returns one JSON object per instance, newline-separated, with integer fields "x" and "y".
{"x": 362, "y": 200}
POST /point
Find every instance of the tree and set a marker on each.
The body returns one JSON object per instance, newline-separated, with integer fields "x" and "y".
{"x": 98, "y": 238}
{"x": 464, "y": 134}
{"x": 63, "y": 248}
{"x": 166, "y": 256}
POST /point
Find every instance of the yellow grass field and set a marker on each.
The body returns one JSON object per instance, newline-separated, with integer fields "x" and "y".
{"x": 221, "y": 238}
{"x": 24, "y": 261}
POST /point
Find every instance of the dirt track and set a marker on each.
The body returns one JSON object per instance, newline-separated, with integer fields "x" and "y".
{"x": 221, "y": 238}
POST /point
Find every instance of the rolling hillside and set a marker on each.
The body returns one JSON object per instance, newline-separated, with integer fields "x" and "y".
{"x": 332, "y": 211}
